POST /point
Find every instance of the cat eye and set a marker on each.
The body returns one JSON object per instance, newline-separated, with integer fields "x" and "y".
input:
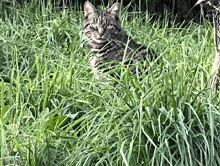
{"x": 110, "y": 26}
{"x": 93, "y": 27}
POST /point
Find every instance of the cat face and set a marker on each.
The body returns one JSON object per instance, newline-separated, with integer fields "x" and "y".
{"x": 101, "y": 26}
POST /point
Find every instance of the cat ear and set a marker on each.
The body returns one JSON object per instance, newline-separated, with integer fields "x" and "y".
{"x": 115, "y": 9}
{"x": 88, "y": 9}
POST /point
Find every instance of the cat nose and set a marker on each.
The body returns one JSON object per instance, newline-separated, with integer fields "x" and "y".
{"x": 101, "y": 31}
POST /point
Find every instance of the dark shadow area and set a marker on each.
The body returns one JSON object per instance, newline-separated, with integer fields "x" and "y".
{"x": 175, "y": 10}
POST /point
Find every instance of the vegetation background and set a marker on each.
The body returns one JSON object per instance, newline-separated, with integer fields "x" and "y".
{"x": 53, "y": 111}
{"x": 178, "y": 10}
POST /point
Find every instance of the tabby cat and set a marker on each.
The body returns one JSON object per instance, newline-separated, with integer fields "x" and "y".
{"x": 108, "y": 41}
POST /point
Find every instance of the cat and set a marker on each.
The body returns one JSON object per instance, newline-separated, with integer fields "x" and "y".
{"x": 108, "y": 42}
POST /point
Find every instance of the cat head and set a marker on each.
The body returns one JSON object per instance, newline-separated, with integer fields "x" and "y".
{"x": 101, "y": 26}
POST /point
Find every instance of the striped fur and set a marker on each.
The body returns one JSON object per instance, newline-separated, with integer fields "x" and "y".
{"x": 107, "y": 40}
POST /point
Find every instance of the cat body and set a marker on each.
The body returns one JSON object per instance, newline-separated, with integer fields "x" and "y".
{"x": 108, "y": 41}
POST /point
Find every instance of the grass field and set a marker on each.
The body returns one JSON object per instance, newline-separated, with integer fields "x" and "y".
{"x": 54, "y": 113}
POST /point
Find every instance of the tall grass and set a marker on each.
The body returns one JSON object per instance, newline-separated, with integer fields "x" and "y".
{"x": 53, "y": 111}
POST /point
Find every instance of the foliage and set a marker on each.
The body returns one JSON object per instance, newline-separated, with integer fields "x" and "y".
{"x": 53, "y": 111}
{"x": 215, "y": 11}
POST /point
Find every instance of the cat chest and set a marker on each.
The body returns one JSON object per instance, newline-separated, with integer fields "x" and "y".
{"x": 108, "y": 54}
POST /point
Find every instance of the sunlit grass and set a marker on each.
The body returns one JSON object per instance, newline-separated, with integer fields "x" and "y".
{"x": 53, "y": 111}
